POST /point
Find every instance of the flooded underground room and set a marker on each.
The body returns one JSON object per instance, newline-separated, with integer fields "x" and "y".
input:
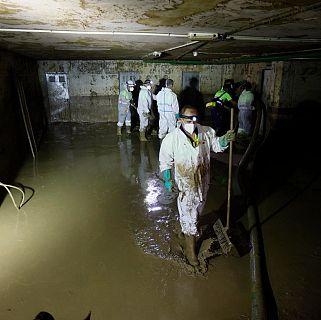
{"x": 159, "y": 160}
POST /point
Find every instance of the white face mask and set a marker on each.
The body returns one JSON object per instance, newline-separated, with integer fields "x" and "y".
{"x": 189, "y": 127}
{"x": 131, "y": 88}
{"x": 148, "y": 87}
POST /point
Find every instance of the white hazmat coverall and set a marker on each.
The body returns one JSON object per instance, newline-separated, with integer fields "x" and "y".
{"x": 168, "y": 107}
{"x": 191, "y": 171}
{"x": 245, "y": 106}
{"x": 144, "y": 106}
{"x": 124, "y": 114}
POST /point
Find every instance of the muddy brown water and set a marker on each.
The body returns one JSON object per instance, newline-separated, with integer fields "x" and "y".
{"x": 94, "y": 236}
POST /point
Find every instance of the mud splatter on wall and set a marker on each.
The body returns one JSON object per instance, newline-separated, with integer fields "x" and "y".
{"x": 94, "y": 85}
{"x": 300, "y": 82}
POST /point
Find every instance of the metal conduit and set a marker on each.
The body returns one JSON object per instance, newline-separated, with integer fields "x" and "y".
{"x": 289, "y": 13}
{"x": 307, "y": 54}
{"x": 26, "y": 117}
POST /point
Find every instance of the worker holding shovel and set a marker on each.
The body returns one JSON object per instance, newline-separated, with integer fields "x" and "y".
{"x": 185, "y": 159}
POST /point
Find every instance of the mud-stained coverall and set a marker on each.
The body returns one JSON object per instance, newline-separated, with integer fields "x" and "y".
{"x": 123, "y": 108}
{"x": 191, "y": 171}
{"x": 245, "y": 106}
{"x": 168, "y": 107}
{"x": 144, "y": 106}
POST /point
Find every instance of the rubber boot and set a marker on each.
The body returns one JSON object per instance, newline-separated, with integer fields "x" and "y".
{"x": 190, "y": 251}
{"x": 118, "y": 131}
{"x": 128, "y": 130}
{"x": 180, "y": 236}
{"x": 142, "y": 136}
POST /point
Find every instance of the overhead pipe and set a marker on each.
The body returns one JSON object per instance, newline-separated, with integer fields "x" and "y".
{"x": 290, "y": 13}
{"x": 275, "y": 39}
{"x": 227, "y": 35}
{"x": 312, "y": 54}
{"x": 112, "y": 33}
{"x": 191, "y": 50}
{"x": 171, "y": 49}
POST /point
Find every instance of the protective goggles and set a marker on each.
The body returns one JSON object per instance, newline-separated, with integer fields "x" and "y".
{"x": 191, "y": 118}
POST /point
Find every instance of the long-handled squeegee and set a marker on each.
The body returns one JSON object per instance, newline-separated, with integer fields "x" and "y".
{"x": 221, "y": 231}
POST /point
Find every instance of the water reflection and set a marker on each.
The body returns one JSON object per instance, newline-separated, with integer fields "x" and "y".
{"x": 126, "y": 159}
{"x": 152, "y": 192}
{"x": 153, "y": 223}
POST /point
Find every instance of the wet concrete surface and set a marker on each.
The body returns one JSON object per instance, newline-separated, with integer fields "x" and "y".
{"x": 289, "y": 210}
{"x": 291, "y": 228}
{"x": 95, "y": 236}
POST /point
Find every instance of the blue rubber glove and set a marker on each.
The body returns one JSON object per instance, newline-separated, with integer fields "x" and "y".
{"x": 168, "y": 180}
{"x": 226, "y": 139}
{"x": 177, "y": 116}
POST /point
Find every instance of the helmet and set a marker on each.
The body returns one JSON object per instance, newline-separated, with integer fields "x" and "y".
{"x": 130, "y": 83}
{"x": 148, "y": 82}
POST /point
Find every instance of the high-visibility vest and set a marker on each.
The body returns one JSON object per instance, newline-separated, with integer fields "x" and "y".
{"x": 220, "y": 97}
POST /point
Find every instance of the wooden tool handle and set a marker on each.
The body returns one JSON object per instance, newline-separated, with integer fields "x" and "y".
{"x": 230, "y": 166}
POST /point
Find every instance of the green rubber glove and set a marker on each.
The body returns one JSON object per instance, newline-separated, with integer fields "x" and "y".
{"x": 168, "y": 179}
{"x": 226, "y": 139}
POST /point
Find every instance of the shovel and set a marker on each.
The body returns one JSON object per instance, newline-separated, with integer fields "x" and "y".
{"x": 221, "y": 231}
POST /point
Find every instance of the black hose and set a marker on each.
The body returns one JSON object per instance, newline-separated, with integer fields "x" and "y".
{"x": 261, "y": 292}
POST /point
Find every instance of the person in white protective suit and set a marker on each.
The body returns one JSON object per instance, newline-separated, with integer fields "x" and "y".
{"x": 168, "y": 108}
{"x": 145, "y": 100}
{"x": 185, "y": 158}
{"x": 246, "y": 108}
{"x": 124, "y": 101}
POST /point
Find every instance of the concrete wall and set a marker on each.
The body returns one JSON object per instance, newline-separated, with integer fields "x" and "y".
{"x": 301, "y": 81}
{"x": 94, "y": 85}
{"x": 291, "y": 90}
{"x": 13, "y": 139}
{"x": 296, "y": 93}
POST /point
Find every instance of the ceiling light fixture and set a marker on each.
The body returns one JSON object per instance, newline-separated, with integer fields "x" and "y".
{"x": 203, "y": 36}
{"x": 195, "y": 53}
{"x": 157, "y": 54}
{"x": 112, "y": 33}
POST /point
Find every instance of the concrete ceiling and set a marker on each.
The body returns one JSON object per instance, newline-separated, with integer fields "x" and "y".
{"x": 136, "y": 29}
